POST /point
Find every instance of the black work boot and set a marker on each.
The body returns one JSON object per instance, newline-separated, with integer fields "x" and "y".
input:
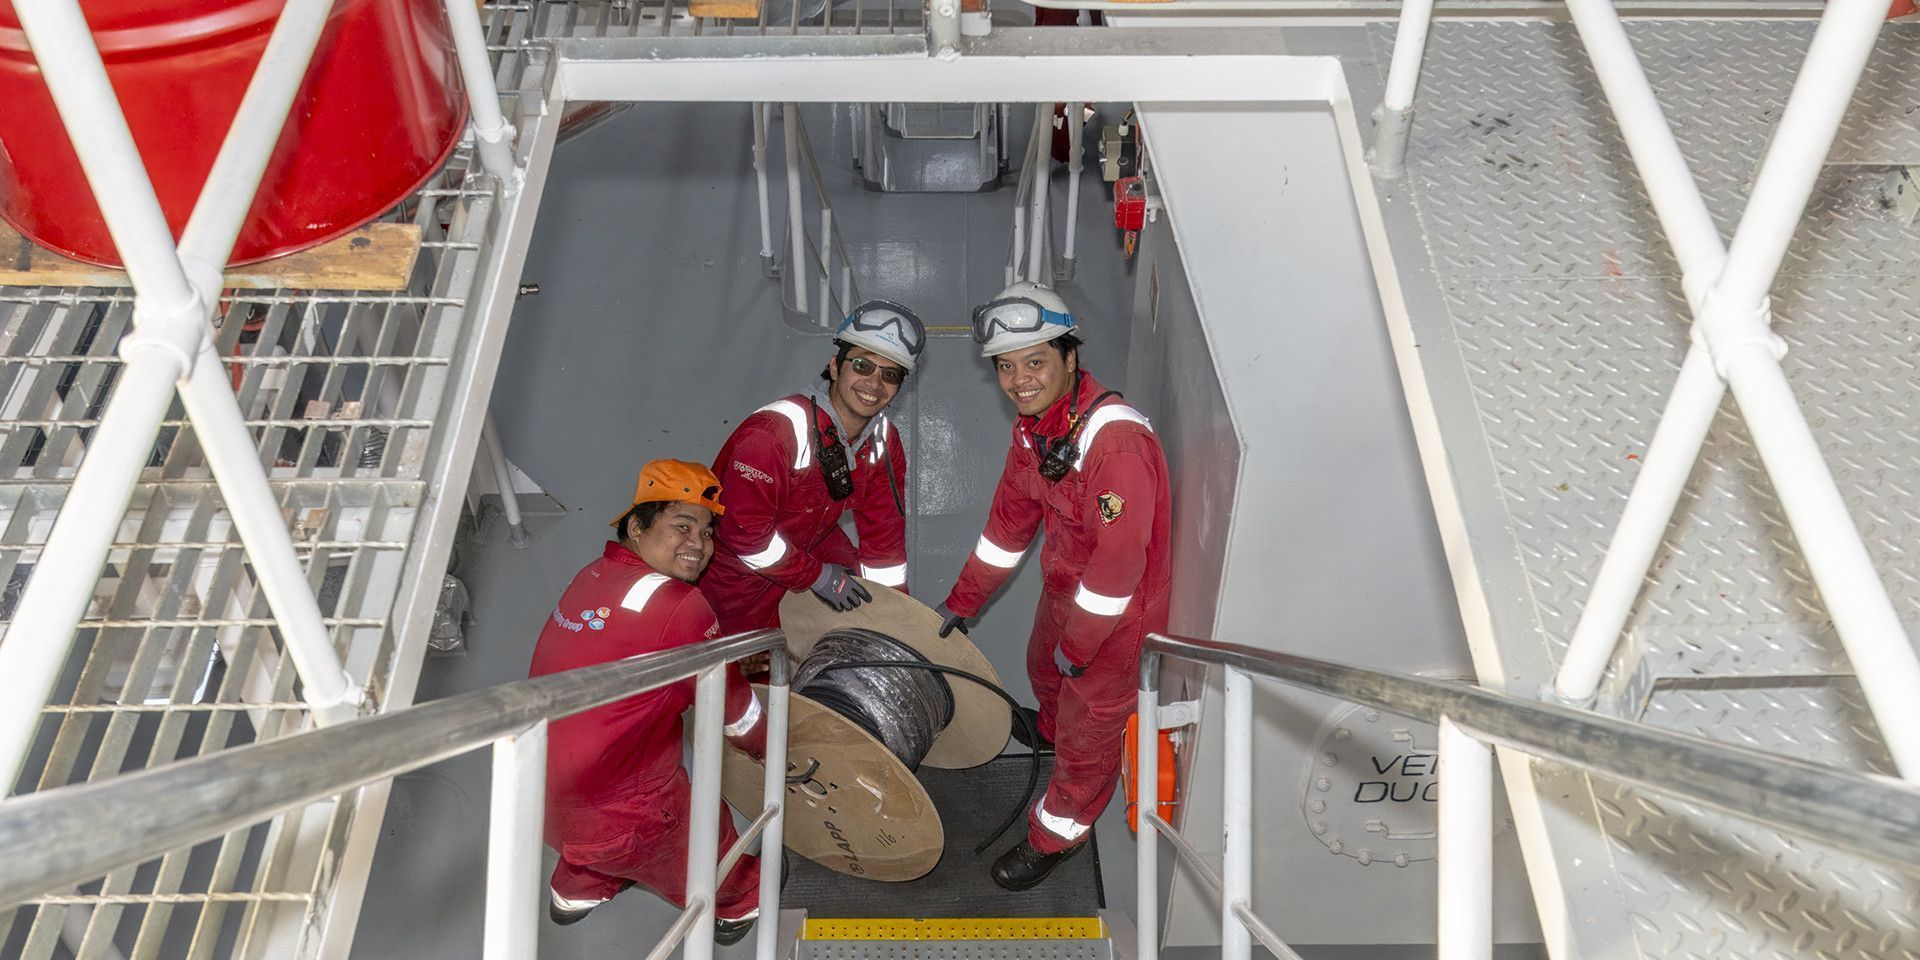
{"x": 564, "y": 911}
{"x": 1020, "y": 732}
{"x": 729, "y": 932}
{"x": 1024, "y": 865}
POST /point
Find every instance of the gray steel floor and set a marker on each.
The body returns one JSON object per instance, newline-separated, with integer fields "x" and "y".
{"x": 1552, "y": 333}
{"x": 653, "y": 332}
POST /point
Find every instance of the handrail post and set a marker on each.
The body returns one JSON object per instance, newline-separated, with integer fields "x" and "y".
{"x": 1236, "y": 862}
{"x": 1466, "y": 845}
{"x": 774, "y": 794}
{"x": 1146, "y": 779}
{"x": 1394, "y": 120}
{"x": 826, "y": 263}
{"x": 514, "y": 828}
{"x": 703, "y": 815}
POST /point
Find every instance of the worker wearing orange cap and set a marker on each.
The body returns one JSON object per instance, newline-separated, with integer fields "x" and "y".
{"x": 617, "y": 797}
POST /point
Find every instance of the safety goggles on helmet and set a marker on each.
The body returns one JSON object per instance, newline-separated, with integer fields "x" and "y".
{"x": 886, "y": 328}
{"x": 1016, "y": 315}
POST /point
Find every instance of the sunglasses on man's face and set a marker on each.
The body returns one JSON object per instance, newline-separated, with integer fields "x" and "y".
{"x": 894, "y": 376}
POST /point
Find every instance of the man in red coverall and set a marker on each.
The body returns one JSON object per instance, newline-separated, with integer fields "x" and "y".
{"x": 1090, "y": 469}
{"x": 798, "y": 463}
{"x": 617, "y": 797}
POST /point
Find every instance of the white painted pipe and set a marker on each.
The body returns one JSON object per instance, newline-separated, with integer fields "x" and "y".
{"x": 1146, "y": 918}
{"x": 703, "y": 820}
{"x": 503, "y": 481}
{"x": 234, "y": 181}
{"x": 491, "y": 131}
{"x": 1074, "y": 132}
{"x": 760, "y": 180}
{"x": 796, "y": 227}
{"x": 77, "y": 79}
{"x": 514, "y": 829}
{"x": 1669, "y": 460}
{"x": 826, "y": 264}
{"x": 1869, "y": 627}
{"x": 1409, "y": 44}
{"x": 1466, "y": 846}
{"x": 1037, "y": 231}
{"x": 234, "y": 459}
{"x": 41, "y": 635}
{"x": 773, "y": 793}
{"x": 1835, "y": 60}
{"x": 1236, "y": 864}
{"x": 1676, "y": 198}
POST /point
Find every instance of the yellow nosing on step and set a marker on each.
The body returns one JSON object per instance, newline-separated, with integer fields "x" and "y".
{"x": 956, "y": 928}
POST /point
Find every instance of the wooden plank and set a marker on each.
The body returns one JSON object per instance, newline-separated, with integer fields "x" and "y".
{"x": 725, "y": 9}
{"x": 378, "y": 256}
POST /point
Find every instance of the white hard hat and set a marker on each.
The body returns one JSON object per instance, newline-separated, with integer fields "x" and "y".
{"x": 887, "y": 329}
{"x": 1024, "y": 314}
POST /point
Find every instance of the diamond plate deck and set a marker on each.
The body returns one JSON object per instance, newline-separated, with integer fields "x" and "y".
{"x": 1550, "y": 325}
{"x": 955, "y": 950}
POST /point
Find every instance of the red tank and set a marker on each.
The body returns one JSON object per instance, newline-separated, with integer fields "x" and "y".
{"x": 381, "y": 109}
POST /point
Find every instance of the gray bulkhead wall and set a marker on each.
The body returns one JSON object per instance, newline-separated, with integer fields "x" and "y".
{"x": 1260, "y": 350}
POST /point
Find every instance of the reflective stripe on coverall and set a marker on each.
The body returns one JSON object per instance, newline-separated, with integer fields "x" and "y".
{"x": 1105, "y": 583}
{"x": 781, "y": 525}
{"x": 617, "y": 796}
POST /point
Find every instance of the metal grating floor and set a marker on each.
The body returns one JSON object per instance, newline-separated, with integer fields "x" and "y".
{"x": 352, "y": 397}
{"x": 1550, "y": 327}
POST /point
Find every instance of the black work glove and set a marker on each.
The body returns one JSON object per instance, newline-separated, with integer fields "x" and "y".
{"x": 838, "y": 589}
{"x": 951, "y": 621}
{"x": 1065, "y": 666}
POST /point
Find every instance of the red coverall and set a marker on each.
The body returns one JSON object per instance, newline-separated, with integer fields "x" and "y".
{"x": 781, "y": 525}
{"x": 1105, "y": 583}
{"x": 617, "y": 797}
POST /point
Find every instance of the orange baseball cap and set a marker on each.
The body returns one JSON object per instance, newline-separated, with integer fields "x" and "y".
{"x": 678, "y": 481}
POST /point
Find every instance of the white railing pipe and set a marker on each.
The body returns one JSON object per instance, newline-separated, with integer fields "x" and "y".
{"x": 234, "y": 458}
{"x": 1808, "y": 125}
{"x": 1146, "y": 781}
{"x": 682, "y": 925}
{"x": 773, "y": 795}
{"x": 1869, "y": 627}
{"x": 1236, "y": 842}
{"x": 1664, "y": 470}
{"x": 759, "y": 115}
{"x": 492, "y": 134}
{"x": 234, "y": 180}
{"x": 1466, "y": 846}
{"x": 703, "y": 819}
{"x": 1656, "y": 155}
{"x": 1075, "y": 130}
{"x": 63, "y": 45}
{"x": 796, "y": 227}
{"x": 41, "y": 635}
{"x": 1394, "y": 120}
{"x": 516, "y": 816}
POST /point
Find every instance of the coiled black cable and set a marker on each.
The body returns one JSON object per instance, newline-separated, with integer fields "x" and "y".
{"x": 904, "y": 709}
{"x": 1033, "y": 735}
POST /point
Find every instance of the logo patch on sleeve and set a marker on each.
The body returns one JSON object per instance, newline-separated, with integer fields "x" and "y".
{"x": 1110, "y": 506}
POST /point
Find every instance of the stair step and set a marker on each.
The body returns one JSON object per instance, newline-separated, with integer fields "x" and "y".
{"x": 955, "y": 938}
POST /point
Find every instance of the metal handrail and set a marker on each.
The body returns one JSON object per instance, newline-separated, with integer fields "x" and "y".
{"x": 1872, "y": 816}
{"x": 54, "y": 839}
